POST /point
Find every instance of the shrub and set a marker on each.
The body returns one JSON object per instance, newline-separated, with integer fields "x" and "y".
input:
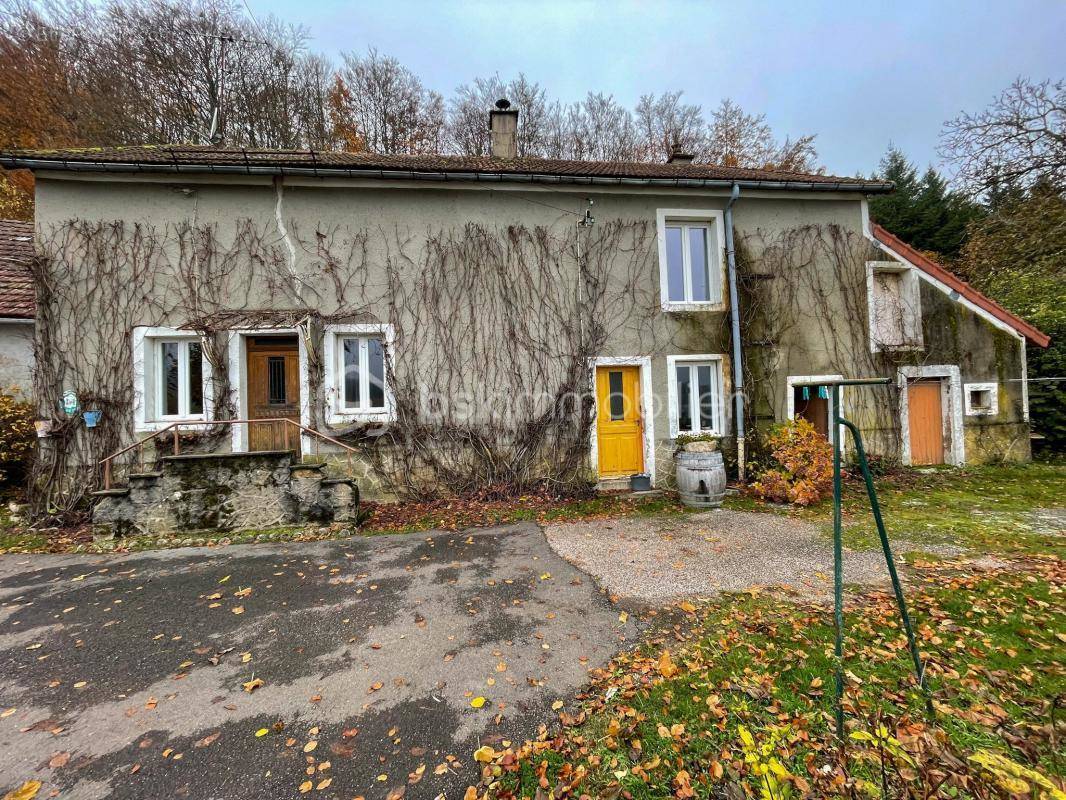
{"x": 801, "y": 465}
{"x": 17, "y": 436}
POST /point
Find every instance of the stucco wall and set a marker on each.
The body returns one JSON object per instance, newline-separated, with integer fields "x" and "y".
{"x": 390, "y": 213}
{"x": 16, "y": 358}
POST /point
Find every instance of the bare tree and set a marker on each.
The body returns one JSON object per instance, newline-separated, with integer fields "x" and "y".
{"x": 155, "y": 72}
{"x": 1018, "y": 140}
{"x": 468, "y": 131}
{"x": 600, "y": 129}
{"x": 739, "y": 139}
{"x": 665, "y": 123}
{"x": 387, "y": 107}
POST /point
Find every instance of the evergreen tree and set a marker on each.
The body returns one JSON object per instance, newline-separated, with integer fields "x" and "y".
{"x": 922, "y": 211}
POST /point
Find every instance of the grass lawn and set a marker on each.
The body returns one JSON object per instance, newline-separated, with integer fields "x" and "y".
{"x": 742, "y": 704}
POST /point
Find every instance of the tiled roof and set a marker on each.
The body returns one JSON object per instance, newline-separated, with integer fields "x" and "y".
{"x": 16, "y": 281}
{"x": 930, "y": 267}
{"x": 194, "y": 158}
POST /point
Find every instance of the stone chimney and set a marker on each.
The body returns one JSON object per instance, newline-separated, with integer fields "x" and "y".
{"x": 503, "y": 123}
{"x": 679, "y": 156}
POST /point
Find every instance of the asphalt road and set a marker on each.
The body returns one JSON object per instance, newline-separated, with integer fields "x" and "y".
{"x": 125, "y": 676}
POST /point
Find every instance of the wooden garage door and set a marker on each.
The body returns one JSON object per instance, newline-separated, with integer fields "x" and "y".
{"x": 926, "y": 422}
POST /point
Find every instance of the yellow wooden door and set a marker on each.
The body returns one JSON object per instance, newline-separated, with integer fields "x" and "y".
{"x": 926, "y": 422}
{"x": 619, "y": 426}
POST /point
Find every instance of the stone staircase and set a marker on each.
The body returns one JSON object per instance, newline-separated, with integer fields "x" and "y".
{"x": 224, "y": 491}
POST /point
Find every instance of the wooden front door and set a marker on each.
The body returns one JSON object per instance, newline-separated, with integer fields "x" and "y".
{"x": 925, "y": 419}
{"x": 619, "y": 426}
{"x": 273, "y": 392}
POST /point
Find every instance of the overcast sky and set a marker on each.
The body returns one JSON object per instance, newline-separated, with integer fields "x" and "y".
{"x": 859, "y": 74}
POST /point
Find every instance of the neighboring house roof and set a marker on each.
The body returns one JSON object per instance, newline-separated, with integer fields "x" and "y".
{"x": 930, "y": 267}
{"x": 16, "y": 281}
{"x": 196, "y": 158}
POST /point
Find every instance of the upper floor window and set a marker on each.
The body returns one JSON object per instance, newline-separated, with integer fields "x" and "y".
{"x": 689, "y": 259}
{"x": 895, "y": 306}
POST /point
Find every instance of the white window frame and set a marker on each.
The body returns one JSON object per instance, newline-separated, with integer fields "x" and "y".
{"x": 713, "y": 221}
{"x": 333, "y": 356}
{"x": 993, "y": 405}
{"x": 147, "y": 390}
{"x": 911, "y": 300}
{"x": 713, "y": 359}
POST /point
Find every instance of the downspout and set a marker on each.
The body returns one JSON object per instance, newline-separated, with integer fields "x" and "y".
{"x": 734, "y": 313}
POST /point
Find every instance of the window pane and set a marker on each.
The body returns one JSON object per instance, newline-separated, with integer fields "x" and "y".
{"x": 196, "y": 379}
{"x": 169, "y": 377}
{"x": 707, "y": 396}
{"x": 376, "y": 362}
{"x": 697, "y": 246}
{"x": 618, "y": 401}
{"x": 276, "y": 395}
{"x": 684, "y": 400}
{"x": 351, "y": 373}
{"x": 675, "y": 267}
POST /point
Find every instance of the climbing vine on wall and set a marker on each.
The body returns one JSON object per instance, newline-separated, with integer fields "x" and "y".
{"x": 495, "y": 329}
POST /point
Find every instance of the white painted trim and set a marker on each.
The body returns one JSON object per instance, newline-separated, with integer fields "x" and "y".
{"x": 718, "y": 359}
{"x": 925, "y": 276}
{"x": 143, "y": 341}
{"x": 17, "y": 321}
{"x": 647, "y": 411}
{"x": 993, "y": 407}
{"x": 716, "y": 248}
{"x": 912, "y": 302}
{"x": 332, "y": 391}
{"x": 1025, "y": 379}
{"x": 951, "y": 403}
{"x": 238, "y": 380}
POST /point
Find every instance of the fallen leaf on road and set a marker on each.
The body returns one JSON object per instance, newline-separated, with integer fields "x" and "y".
{"x": 484, "y": 754}
{"x": 208, "y": 740}
{"x": 374, "y": 687}
{"x": 252, "y": 685}
{"x": 238, "y": 610}
{"x": 324, "y": 784}
{"x": 262, "y": 732}
{"x": 686, "y": 606}
{"x": 26, "y": 791}
{"x": 59, "y": 760}
{"x": 477, "y": 702}
{"x": 311, "y": 745}
{"x": 306, "y": 786}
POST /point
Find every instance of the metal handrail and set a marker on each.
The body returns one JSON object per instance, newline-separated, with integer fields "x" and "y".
{"x": 175, "y": 428}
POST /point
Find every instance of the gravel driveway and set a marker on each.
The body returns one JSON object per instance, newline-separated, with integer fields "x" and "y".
{"x": 655, "y": 559}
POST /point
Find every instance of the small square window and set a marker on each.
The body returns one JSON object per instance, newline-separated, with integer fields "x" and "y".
{"x": 982, "y": 399}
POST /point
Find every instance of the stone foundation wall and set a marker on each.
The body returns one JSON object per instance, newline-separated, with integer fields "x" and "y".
{"x": 226, "y": 491}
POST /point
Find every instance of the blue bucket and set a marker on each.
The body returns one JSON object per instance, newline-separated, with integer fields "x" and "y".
{"x": 92, "y": 418}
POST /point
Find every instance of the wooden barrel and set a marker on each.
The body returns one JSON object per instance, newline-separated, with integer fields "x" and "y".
{"x": 700, "y": 479}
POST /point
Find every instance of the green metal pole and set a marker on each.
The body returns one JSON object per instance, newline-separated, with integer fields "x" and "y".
{"x": 838, "y": 564}
{"x": 897, "y": 587}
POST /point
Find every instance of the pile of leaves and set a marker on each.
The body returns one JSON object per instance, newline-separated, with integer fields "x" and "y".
{"x": 737, "y": 702}
{"x": 456, "y": 513}
{"x": 801, "y": 468}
